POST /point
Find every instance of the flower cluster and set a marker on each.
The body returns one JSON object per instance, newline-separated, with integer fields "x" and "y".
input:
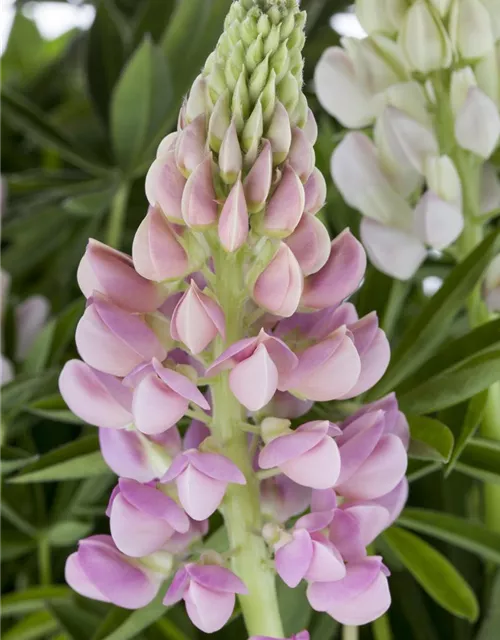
{"x": 426, "y": 79}
{"x": 231, "y": 312}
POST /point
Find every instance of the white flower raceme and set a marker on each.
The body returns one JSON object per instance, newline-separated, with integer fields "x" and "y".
{"x": 427, "y": 79}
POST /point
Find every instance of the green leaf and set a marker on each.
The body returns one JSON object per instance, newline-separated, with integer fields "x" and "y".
{"x": 294, "y": 607}
{"x": 64, "y": 333}
{"x": 418, "y": 469}
{"x": 324, "y": 627}
{"x": 152, "y": 17}
{"x": 80, "y": 459}
{"x": 66, "y": 534}
{"x": 74, "y": 621}
{"x": 434, "y": 573}
{"x": 471, "y": 536}
{"x": 33, "y": 599}
{"x": 454, "y": 386}
{"x": 481, "y": 460}
{"x": 382, "y": 628}
{"x": 430, "y": 439}
{"x": 89, "y": 204}
{"x": 472, "y": 420}
{"x": 426, "y": 332}
{"x": 54, "y": 408}
{"x": 16, "y": 545}
{"x": 137, "y": 621}
{"x": 37, "y": 625}
{"x": 14, "y": 459}
{"x": 491, "y": 623}
{"x": 38, "y": 355}
{"x": 24, "y": 388}
{"x": 34, "y": 123}
{"x": 139, "y": 104}
{"x": 105, "y": 55}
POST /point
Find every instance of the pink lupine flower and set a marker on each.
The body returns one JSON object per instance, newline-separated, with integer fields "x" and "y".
{"x": 257, "y": 367}
{"x": 199, "y": 206}
{"x": 197, "y": 319}
{"x": 195, "y": 434}
{"x": 142, "y": 518}
{"x": 306, "y": 553}
{"x": 230, "y": 156}
{"x": 258, "y": 181}
{"x": 395, "y": 420}
{"x": 156, "y": 251}
{"x": 179, "y": 543}
{"x": 315, "y": 192}
{"x": 190, "y": 148}
{"x": 113, "y": 341}
{"x": 373, "y": 460}
{"x": 97, "y": 398}
{"x": 279, "y": 133}
{"x": 340, "y": 276}
{"x": 328, "y": 370}
{"x": 161, "y": 397}
{"x": 130, "y": 454}
{"x": 279, "y": 287}
{"x": 112, "y": 273}
{"x": 285, "y": 207}
{"x": 393, "y": 502}
{"x": 361, "y": 597}
{"x": 99, "y": 571}
{"x": 281, "y": 498}
{"x": 208, "y": 592}
{"x": 233, "y": 221}
{"x": 301, "y": 156}
{"x": 310, "y": 244}
{"x": 165, "y": 186}
{"x": 285, "y": 405}
{"x": 201, "y": 480}
{"x": 309, "y": 455}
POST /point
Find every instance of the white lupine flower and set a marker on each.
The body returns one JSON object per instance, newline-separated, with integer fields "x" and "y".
{"x": 477, "y": 125}
{"x": 490, "y": 189}
{"x": 442, "y": 6}
{"x": 470, "y": 29}
{"x": 493, "y": 7}
{"x": 384, "y": 16}
{"x": 487, "y": 72}
{"x": 443, "y": 179}
{"x": 424, "y": 41}
{"x": 438, "y": 223}
{"x": 461, "y": 81}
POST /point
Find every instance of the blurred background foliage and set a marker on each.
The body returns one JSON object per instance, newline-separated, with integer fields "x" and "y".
{"x": 82, "y": 116}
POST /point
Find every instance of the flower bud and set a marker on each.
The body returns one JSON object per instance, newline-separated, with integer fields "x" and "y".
{"x": 156, "y": 251}
{"x": 113, "y": 341}
{"x": 230, "y": 158}
{"x": 254, "y": 54}
{"x": 289, "y": 92}
{"x": 384, "y": 17}
{"x": 470, "y": 29}
{"x": 191, "y": 146}
{"x": 112, "y": 273}
{"x": 477, "y": 125}
{"x": 310, "y": 244}
{"x": 315, "y": 192}
{"x": 279, "y": 287}
{"x": 493, "y": 7}
{"x": 438, "y": 223}
{"x": 487, "y": 72}
{"x": 219, "y": 122}
{"x": 233, "y": 221}
{"x": 258, "y": 181}
{"x": 492, "y": 285}
{"x": 461, "y": 81}
{"x": 424, "y": 41}
{"x": 252, "y": 131}
{"x": 443, "y": 179}
{"x": 164, "y": 187}
{"x": 199, "y": 206}
{"x": 196, "y": 102}
{"x": 301, "y": 157}
{"x": 279, "y": 134}
{"x": 285, "y": 208}
{"x": 258, "y": 79}
{"x": 197, "y": 319}
{"x": 268, "y": 97}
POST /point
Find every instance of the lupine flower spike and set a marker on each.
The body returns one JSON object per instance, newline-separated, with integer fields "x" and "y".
{"x": 231, "y": 315}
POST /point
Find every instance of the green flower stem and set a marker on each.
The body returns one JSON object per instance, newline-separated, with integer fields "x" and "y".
{"x": 116, "y": 222}
{"x": 350, "y": 633}
{"x": 241, "y": 506}
{"x": 44, "y": 561}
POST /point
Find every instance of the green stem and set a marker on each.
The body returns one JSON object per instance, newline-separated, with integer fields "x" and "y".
{"x": 350, "y": 633}
{"x": 117, "y": 216}
{"x": 241, "y": 506}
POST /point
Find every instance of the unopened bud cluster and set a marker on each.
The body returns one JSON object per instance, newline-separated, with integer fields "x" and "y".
{"x": 427, "y": 79}
{"x": 234, "y": 280}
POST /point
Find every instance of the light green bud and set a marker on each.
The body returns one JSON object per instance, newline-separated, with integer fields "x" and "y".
{"x": 248, "y": 31}
{"x": 442, "y": 178}
{"x": 234, "y": 33}
{"x": 254, "y": 54}
{"x": 441, "y": 6}
{"x": 216, "y": 82}
{"x": 487, "y": 73}
{"x": 470, "y": 29}
{"x": 287, "y": 26}
{"x": 383, "y": 16}
{"x": 280, "y": 61}
{"x": 273, "y": 40}
{"x": 274, "y": 15}
{"x": 461, "y": 81}
{"x": 268, "y": 97}
{"x": 258, "y": 79}
{"x": 219, "y": 121}
{"x": 288, "y": 92}
{"x": 241, "y": 102}
{"x": 300, "y": 113}
{"x": 264, "y": 25}
{"x": 253, "y": 128}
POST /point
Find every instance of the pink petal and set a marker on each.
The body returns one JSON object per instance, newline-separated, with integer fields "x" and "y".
{"x": 208, "y": 610}
{"x": 179, "y": 464}
{"x": 154, "y": 503}
{"x": 98, "y": 398}
{"x": 356, "y": 448}
{"x": 181, "y": 385}
{"x": 286, "y": 205}
{"x": 78, "y": 580}
{"x": 326, "y": 564}
{"x": 165, "y": 186}
{"x": 195, "y": 434}
{"x": 301, "y": 156}
{"x": 233, "y": 220}
{"x": 289, "y": 447}
{"x": 293, "y": 558}
{"x": 236, "y": 353}
{"x": 199, "y": 206}
{"x": 315, "y": 192}
{"x": 314, "y": 522}
{"x": 254, "y": 381}
{"x": 216, "y": 578}
{"x": 345, "y": 534}
{"x": 372, "y": 519}
{"x": 215, "y": 466}
{"x": 319, "y": 468}
{"x": 124, "y": 452}
{"x": 177, "y": 589}
{"x": 281, "y": 498}
{"x": 157, "y": 408}
{"x": 310, "y": 244}
{"x": 199, "y": 495}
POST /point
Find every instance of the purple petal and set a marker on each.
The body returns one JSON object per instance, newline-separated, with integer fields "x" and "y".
{"x": 236, "y": 353}
{"x": 154, "y": 503}
{"x": 293, "y": 558}
{"x": 179, "y": 464}
{"x": 354, "y": 451}
{"x": 215, "y": 466}
{"x": 318, "y": 468}
{"x": 313, "y": 522}
{"x": 177, "y": 588}
{"x": 288, "y": 447}
{"x": 208, "y": 610}
{"x": 199, "y": 494}
{"x": 195, "y": 434}
{"x": 345, "y": 534}
{"x": 216, "y": 578}
{"x": 326, "y": 564}
{"x": 156, "y": 407}
{"x": 254, "y": 381}
{"x": 78, "y": 580}
{"x": 372, "y": 519}
{"x": 282, "y": 356}
{"x": 181, "y": 385}
{"x": 323, "y": 500}
{"x": 125, "y": 454}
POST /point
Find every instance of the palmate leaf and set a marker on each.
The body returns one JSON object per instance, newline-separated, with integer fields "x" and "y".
{"x": 434, "y": 572}
{"x": 471, "y": 536}
{"x": 473, "y": 417}
{"x": 425, "y": 333}
{"x": 481, "y": 460}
